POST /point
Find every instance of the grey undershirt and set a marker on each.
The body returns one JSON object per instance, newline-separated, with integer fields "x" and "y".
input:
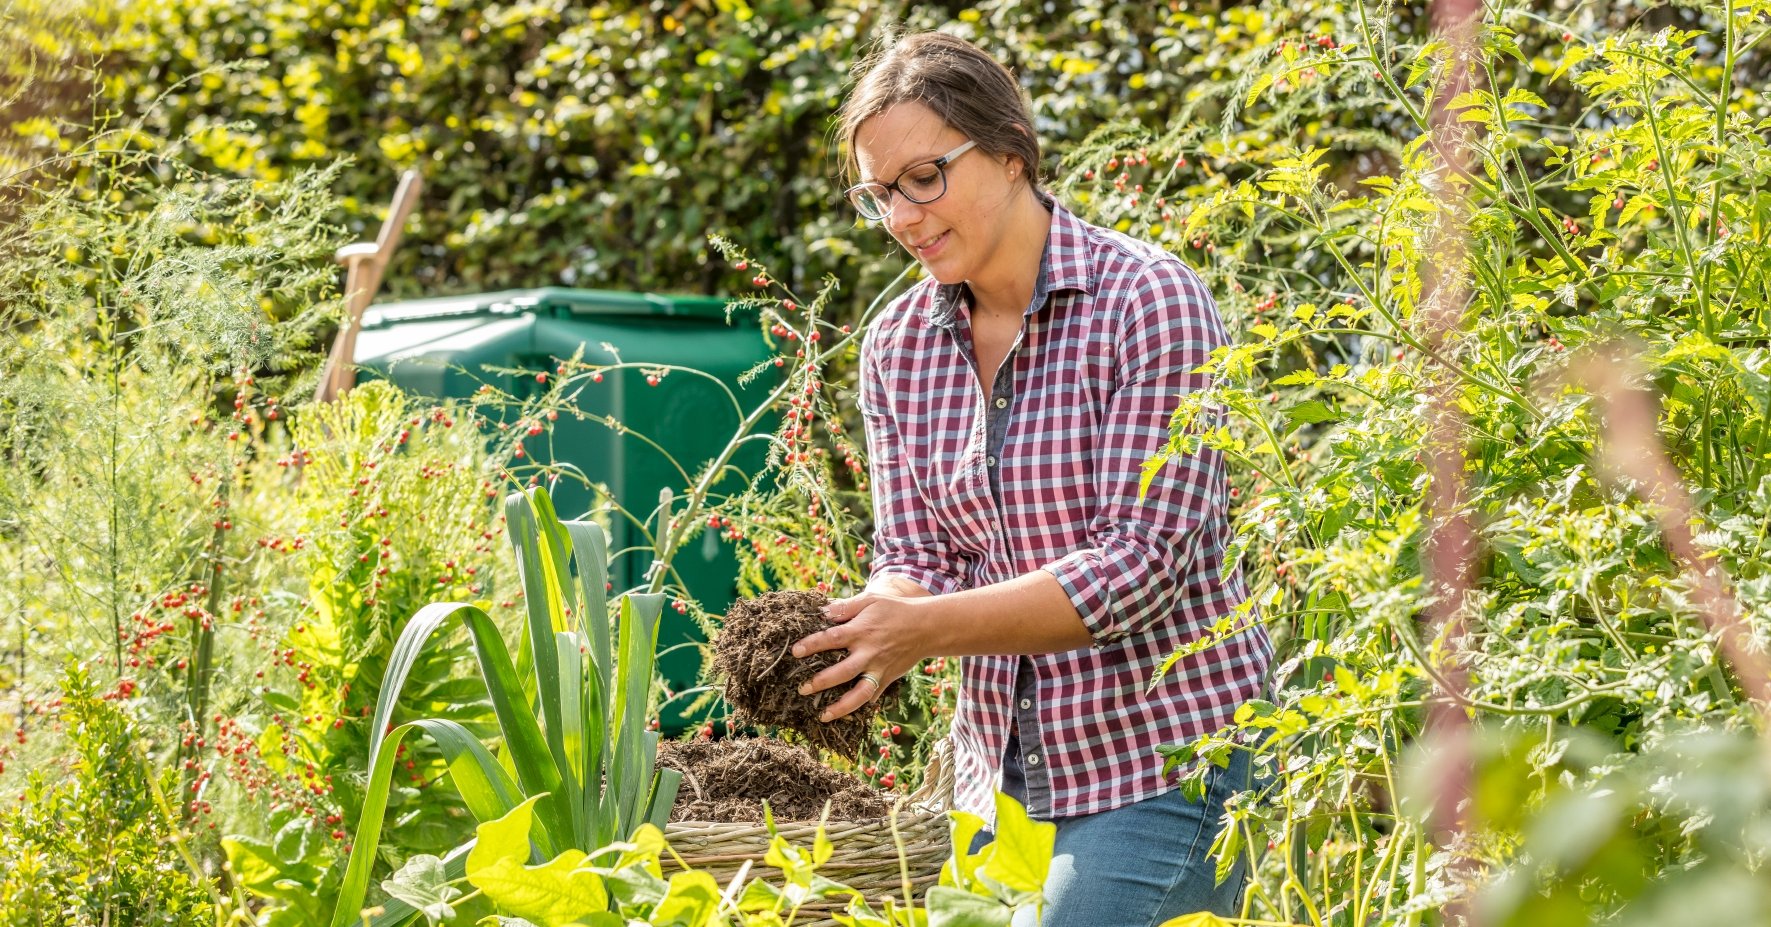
{"x": 1024, "y": 774}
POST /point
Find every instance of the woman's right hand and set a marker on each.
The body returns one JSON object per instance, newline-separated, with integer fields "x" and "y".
{"x": 884, "y": 631}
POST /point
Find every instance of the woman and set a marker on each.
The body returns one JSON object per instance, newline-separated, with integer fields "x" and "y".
{"x": 1010, "y": 400}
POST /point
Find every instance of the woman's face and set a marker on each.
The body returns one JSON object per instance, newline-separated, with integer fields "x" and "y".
{"x": 955, "y": 237}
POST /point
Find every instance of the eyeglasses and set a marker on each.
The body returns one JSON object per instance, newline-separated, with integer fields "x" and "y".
{"x": 920, "y": 184}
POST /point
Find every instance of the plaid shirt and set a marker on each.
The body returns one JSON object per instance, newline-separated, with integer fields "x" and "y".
{"x": 1113, "y": 336}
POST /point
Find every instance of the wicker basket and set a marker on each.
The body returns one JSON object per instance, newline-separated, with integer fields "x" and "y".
{"x": 864, "y": 855}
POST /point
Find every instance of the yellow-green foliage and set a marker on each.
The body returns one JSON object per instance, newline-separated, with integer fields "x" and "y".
{"x": 91, "y": 843}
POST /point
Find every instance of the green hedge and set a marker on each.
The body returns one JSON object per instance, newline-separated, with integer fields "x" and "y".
{"x": 598, "y": 144}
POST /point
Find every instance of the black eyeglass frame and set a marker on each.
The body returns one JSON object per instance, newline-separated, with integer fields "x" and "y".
{"x": 891, "y": 191}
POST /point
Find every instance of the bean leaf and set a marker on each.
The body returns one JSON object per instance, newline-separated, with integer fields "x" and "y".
{"x": 422, "y": 884}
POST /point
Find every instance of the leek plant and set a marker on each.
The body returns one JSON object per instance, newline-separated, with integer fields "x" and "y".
{"x": 573, "y": 720}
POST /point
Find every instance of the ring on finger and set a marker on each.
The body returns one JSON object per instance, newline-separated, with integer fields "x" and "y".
{"x": 873, "y": 679}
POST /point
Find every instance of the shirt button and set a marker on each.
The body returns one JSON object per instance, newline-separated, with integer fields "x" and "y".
{"x": 990, "y": 461}
{"x": 1026, "y": 703}
{"x": 1032, "y": 759}
{"x": 1001, "y": 402}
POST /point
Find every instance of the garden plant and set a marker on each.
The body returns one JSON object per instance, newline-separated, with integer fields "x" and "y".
{"x": 585, "y": 758}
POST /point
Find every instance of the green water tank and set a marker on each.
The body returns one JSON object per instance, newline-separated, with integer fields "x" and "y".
{"x": 448, "y": 347}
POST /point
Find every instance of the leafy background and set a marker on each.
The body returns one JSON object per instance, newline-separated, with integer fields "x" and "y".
{"x": 179, "y": 173}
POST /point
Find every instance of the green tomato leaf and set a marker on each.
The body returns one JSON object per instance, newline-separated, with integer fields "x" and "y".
{"x": 1261, "y": 83}
{"x": 1303, "y": 377}
{"x": 1312, "y": 412}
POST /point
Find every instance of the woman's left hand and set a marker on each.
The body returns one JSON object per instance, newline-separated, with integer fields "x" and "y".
{"x": 885, "y": 636}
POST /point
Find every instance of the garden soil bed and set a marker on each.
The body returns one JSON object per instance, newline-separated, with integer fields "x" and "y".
{"x": 728, "y": 781}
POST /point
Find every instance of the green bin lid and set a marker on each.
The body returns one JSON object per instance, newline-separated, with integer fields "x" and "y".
{"x": 553, "y": 301}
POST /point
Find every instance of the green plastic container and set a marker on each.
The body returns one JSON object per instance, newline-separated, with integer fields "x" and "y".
{"x": 447, "y": 347}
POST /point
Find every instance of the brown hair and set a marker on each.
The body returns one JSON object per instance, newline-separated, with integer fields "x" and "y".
{"x": 968, "y": 89}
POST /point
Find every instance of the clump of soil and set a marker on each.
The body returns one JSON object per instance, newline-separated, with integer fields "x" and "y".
{"x": 754, "y": 652}
{"x": 728, "y": 780}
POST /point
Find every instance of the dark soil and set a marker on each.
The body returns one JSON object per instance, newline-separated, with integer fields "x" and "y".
{"x": 728, "y": 780}
{"x": 754, "y": 652}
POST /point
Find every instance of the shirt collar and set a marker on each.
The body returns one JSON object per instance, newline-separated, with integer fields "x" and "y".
{"x": 1062, "y": 266}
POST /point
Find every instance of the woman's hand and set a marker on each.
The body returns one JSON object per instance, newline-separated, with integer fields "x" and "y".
{"x": 885, "y": 633}
{"x": 895, "y": 623}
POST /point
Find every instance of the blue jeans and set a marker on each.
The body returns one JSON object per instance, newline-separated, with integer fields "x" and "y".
{"x": 1144, "y": 863}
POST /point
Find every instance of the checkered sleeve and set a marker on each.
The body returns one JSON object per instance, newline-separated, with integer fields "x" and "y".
{"x": 907, "y": 540}
{"x": 1125, "y": 580}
